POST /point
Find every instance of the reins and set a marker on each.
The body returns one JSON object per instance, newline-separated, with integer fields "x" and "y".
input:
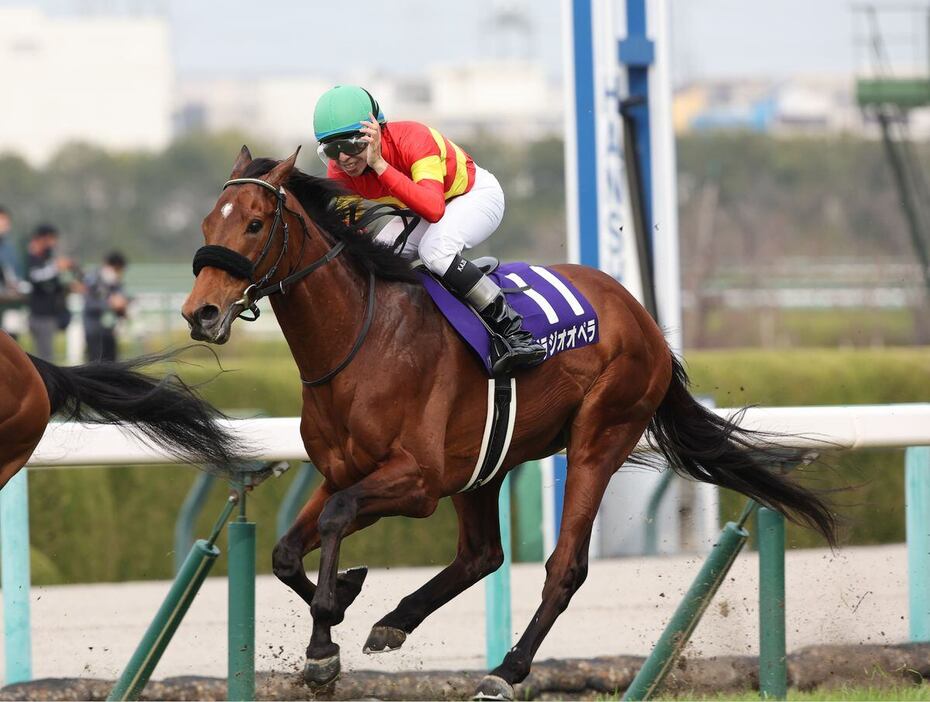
{"x": 410, "y": 218}
{"x": 243, "y": 268}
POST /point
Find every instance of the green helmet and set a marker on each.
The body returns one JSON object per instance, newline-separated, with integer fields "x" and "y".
{"x": 341, "y": 110}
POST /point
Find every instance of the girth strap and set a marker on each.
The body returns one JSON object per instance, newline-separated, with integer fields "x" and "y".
{"x": 498, "y": 431}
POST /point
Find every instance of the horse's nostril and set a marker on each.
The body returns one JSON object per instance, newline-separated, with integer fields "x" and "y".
{"x": 208, "y": 314}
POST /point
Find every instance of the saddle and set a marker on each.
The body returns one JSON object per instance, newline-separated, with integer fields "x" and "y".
{"x": 554, "y": 311}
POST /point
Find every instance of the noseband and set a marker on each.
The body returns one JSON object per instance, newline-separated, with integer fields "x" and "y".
{"x": 243, "y": 268}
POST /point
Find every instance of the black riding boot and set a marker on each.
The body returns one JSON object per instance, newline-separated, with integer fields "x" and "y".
{"x": 511, "y": 345}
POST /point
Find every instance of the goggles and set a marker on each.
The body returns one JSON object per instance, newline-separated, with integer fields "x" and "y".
{"x": 351, "y": 146}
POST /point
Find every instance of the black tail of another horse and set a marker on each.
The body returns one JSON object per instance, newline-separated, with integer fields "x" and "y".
{"x": 164, "y": 412}
{"x": 700, "y": 444}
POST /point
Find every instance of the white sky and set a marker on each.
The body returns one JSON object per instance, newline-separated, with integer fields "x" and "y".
{"x": 711, "y": 38}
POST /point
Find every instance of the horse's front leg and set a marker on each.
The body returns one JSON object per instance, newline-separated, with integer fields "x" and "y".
{"x": 396, "y": 487}
{"x": 302, "y": 538}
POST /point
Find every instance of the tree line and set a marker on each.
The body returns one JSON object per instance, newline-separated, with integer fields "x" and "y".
{"x": 744, "y": 199}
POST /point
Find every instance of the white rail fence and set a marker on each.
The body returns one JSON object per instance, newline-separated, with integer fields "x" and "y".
{"x": 275, "y": 439}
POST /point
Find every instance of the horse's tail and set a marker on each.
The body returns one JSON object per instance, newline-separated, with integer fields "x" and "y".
{"x": 164, "y": 412}
{"x": 699, "y": 444}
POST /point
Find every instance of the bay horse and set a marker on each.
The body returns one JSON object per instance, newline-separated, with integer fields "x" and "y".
{"x": 394, "y": 407}
{"x": 164, "y": 412}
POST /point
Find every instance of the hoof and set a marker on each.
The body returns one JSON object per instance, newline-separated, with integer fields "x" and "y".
{"x": 383, "y": 639}
{"x": 319, "y": 672}
{"x": 492, "y": 687}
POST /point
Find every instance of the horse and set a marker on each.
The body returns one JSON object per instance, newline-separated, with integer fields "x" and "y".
{"x": 394, "y": 407}
{"x": 164, "y": 412}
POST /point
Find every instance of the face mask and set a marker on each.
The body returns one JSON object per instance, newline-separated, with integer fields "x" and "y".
{"x": 108, "y": 276}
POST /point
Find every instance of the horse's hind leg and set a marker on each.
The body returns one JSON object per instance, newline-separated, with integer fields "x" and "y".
{"x": 24, "y": 409}
{"x": 479, "y": 554}
{"x": 594, "y": 453}
{"x": 10, "y": 466}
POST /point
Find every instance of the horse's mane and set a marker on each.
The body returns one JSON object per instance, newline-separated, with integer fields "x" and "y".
{"x": 320, "y": 198}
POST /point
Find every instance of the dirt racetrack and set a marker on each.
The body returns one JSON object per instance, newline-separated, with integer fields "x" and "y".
{"x": 846, "y": 615}
{"x": 817, "y": 666}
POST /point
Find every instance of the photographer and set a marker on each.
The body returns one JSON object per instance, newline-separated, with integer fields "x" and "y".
{"x": 11, "y": 298}
{"x": 105, "y": 303}
{"x": 49, "y": 276}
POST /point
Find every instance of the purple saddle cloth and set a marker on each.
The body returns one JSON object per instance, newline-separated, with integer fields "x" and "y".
{"x": 553, "y": 310}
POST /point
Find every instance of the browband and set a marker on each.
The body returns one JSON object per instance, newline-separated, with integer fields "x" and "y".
{"x": 255, "y": 181}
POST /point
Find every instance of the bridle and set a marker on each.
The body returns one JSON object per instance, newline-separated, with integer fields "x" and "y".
{"x": 243, "y": 268}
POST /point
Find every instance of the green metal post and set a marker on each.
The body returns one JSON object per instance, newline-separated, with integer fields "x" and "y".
{"x": 651, "y": 536}
{"x": 16, "y": 580}
{"x": 134, "y": 678}
{"x": 497, "y": 591}
{"x": 295, "y": 497}
{"x": 241, "y": 673}
{"x": 156, "y": 638}
{"x": 917, "y": 501}
{"x": 528, "y": 521}
{"x": 187, "y": 517}
{"x": 689, "y": 612}
{"x": 773, "y": 667}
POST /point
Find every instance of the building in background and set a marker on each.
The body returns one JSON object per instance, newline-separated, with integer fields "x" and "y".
{"x": 104, "y": 75}
{"x": 277, "y": 109}
{"x": 507, "y": 97}
{"x": 787, "y": 107}
{"x": 102, "y": 78}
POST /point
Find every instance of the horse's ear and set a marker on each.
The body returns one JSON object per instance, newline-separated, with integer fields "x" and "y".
{"x": 242, "y": 162}
{"x": 280, "y": 173}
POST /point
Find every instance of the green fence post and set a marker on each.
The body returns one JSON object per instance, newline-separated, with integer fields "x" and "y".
{"x": 241, "y": 673}
{"x": 651, "y": 537}
{"x": 917, "y": 501}
{"x": 773, "y": 668}
{"x": 183, "y": 590}
{"x": 187, "y": 516}
{"x": 295, "y": 497}
{"x": 16, "y": 580}
{"x": 686, "y": 617}
{"x": 140, "y": 667}
{"x": 497, "y": 591}
{"x": 528, "y": 515}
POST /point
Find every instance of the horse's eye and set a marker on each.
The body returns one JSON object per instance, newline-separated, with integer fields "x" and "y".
{"x": 254, "y": 227}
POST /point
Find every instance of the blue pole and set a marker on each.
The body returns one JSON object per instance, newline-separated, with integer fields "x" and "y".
{"x": 497, "y": 591}
{"x": 917, "y": 501}
{"x": 637, "y": 52}
{"x": 15, "y": 581}
{"x": 585, "y": 132}
{"x": 559, "y": 475}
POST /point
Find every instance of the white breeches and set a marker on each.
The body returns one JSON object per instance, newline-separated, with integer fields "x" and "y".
{"x": 469, "y": 219}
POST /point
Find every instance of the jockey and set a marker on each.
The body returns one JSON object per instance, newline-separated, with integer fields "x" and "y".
{"x": 460, "y": 204}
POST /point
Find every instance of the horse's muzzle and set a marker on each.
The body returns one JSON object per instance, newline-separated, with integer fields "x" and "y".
{"x": 208, "y": 324}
